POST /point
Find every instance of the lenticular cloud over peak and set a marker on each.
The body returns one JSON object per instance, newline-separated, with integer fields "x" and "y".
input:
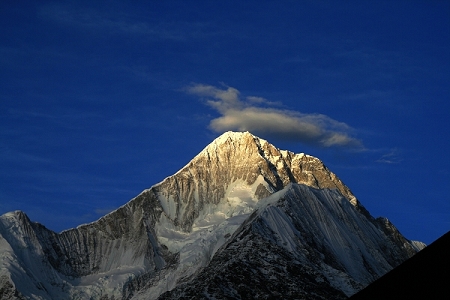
{"x": 248, "y": 114}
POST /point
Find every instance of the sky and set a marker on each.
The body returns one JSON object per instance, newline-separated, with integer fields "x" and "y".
{"x": 101, "y": 100}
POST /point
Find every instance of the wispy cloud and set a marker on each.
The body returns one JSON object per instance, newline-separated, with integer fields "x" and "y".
{"x": 104, "y": 211}
{"x": 392, "y": 157}
{"x": 256, "y": 114}
{"x": 94, "y": 20}
{"x": 113, "y": 22}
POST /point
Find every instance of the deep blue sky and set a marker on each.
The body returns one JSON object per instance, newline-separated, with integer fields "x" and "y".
{"x": 101, "y": 100}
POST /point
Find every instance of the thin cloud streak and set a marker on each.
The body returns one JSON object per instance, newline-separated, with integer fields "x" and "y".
{"x": 249, "y": 115}
{"x": 393, "y": 157}
{"x": 113, "y": 22}
{"x": 91, "y": 19}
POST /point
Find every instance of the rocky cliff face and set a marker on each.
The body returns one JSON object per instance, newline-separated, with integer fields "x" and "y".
{"x": 191, "y": 222}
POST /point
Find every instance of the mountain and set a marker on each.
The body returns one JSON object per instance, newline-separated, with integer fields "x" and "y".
{"x": 242, "y": 219}
{"x": 424, "y": 276}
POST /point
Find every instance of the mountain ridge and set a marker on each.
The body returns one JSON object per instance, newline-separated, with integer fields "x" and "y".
{"x": 172, "y": 231}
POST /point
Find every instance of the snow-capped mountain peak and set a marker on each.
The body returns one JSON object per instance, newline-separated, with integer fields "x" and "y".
{"x": 238, "y": 188}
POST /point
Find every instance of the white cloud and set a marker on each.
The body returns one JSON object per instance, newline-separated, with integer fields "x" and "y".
{"x": 225, "y": 100}
{"x": 248, "y": 115}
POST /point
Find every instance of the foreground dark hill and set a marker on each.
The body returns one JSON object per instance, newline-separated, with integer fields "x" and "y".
{"x": 424, "y": 276}
{"x": 241, "y": 216}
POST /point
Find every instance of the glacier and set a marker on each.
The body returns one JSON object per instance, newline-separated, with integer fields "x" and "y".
{"x": 237, "y": 192}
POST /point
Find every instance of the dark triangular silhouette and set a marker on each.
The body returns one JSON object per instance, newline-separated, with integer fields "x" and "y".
{"x": 424, "y": 276}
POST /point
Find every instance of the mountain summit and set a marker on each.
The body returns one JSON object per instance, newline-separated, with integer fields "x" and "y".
{"x": 241, "y": 220}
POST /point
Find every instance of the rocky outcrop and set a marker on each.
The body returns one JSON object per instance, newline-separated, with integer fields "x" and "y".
{"x": 8, "y": 291}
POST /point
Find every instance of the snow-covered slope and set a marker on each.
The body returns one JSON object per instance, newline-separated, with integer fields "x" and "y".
{"x": 304, "y": 243}
{"x": 239, "y": 188}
